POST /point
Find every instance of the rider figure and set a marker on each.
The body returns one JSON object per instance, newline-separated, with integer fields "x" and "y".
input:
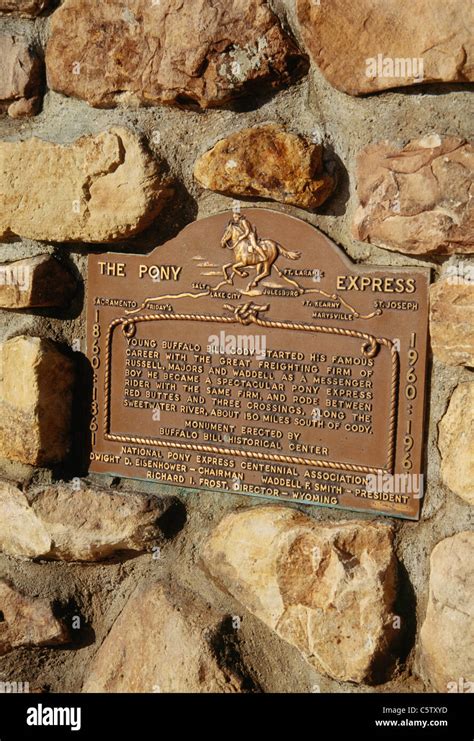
{"x": 248, "y": 232}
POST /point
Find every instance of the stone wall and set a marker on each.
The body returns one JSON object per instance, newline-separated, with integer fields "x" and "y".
{"x": 116, "y": 585}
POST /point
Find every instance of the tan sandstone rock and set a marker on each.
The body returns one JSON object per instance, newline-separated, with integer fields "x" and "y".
{"x": 24, "y": 7}
{"x": 416, "y": 199}
{"x": 21, "y": 77}
{"x": 452, "y": 319}
{"x": 21, "y": 532}
{"x": 161, "y": 642}
{"x": 35, "y": 282}
{"x": 364, "y": 46}
{"x": 28, "y": 621}
{"x": 91, "y": 524}
{"x": 327, "y": 589}
{"x": 36, "y": 382}
{"x": 98, "y": 189}
{"x": 447, "y": 634}
{"x": 79, "y": 524}
{"x": 195, "y": 53}
{"x": 456, "y": 442}
{"x": 267, "y": 162}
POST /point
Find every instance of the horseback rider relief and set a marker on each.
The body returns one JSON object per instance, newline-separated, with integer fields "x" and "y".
{"x": 248, "y": 232}
{"x": 250, "y": 251}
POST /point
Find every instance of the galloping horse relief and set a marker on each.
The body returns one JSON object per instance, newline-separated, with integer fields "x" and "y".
{"x": 250, "y": 251}
{"x": 253, "y": 253}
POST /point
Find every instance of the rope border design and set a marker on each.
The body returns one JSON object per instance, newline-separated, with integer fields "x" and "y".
{"x": 246, "y": 315}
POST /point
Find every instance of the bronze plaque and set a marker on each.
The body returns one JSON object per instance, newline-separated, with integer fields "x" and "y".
{"x": 250, "y": 355}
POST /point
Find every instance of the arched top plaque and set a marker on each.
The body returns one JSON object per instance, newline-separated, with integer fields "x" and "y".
{"x": 250, "y": 355}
